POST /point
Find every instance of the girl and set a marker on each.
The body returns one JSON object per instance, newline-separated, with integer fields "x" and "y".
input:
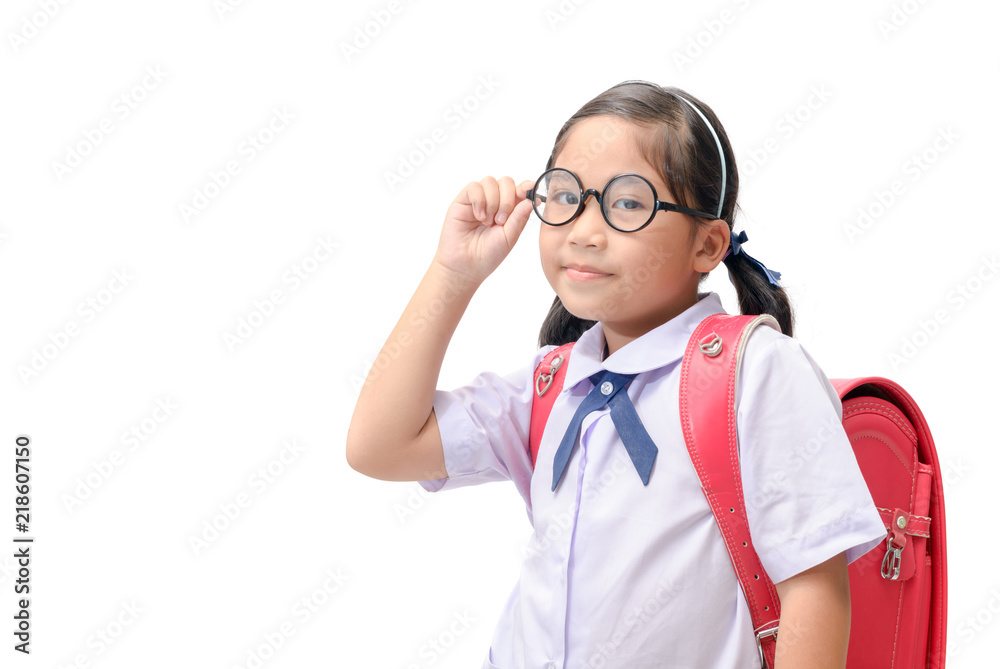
{"x": 626, "y": 566}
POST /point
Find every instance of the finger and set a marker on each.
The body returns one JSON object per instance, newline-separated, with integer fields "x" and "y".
{"x": 492, "y": 190}
{"x": 506, "y": 199}
{"x": 516, "y": 222}
{"x": 474, "y": 196}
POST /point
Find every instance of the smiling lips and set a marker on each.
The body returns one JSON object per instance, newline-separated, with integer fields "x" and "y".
{"x": 584, "y": 273}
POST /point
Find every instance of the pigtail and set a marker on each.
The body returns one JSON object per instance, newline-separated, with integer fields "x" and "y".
{"x": 561, "y": 327}
{"x": 756, "y": 294}
{"x": 754, "y": 291}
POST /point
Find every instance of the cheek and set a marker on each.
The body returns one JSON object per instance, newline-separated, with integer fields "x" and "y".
{"x": 660, "y": 255}
{"x": 548, "y": 246}
{"x": 642, "y": 279}
{"x": 652, "y": 267}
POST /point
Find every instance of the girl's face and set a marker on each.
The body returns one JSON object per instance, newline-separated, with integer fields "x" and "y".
{"x": 631, "y": 282}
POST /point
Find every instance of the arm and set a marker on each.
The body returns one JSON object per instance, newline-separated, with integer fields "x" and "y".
{"x": 815, "y": 617}
{"x": 393, "y": 433}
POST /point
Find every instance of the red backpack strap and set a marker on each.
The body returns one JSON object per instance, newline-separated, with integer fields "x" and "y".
{"x": 708, "y": 418}
{"x": 548, "y": 385}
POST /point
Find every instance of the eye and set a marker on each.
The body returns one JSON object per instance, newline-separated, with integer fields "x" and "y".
{"x": 565, "y": 197}
{"x": 627, "y": 203}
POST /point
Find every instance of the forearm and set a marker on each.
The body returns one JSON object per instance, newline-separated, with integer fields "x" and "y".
{"x": 397, "y": 397}
{"x": 815, "y": 618}
{"x": 393, "y": 433}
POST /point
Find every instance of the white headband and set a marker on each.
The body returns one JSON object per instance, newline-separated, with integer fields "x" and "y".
{"x": 722, "y": 156}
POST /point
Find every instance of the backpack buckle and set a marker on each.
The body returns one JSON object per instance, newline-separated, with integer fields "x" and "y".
{"x": 895, "y": 543}
{"x": 766, "y": 632}
{"x": 711, "y": 345}
{"x": 893, "y": 559}
{"x": 546, "y": 379}
{"x": 891, "y": 562}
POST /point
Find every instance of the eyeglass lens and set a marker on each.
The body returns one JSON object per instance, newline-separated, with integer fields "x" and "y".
{"x": 627, "y": 201}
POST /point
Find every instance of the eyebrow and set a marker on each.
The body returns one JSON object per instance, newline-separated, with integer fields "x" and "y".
{"x": 662, "y": 191}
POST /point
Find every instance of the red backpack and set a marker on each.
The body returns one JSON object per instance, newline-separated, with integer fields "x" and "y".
{"x": 899, "y": 589}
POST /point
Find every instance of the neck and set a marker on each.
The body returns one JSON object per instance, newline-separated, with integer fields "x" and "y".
{"x": 617, "y": 335}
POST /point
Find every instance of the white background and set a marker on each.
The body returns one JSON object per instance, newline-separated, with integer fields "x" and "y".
{"x": 126, "y": 542}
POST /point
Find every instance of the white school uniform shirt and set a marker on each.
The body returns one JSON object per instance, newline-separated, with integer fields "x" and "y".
{"x": 621, "y": 575}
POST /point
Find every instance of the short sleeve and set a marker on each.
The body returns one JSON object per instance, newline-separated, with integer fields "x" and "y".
{"x": 806, "y": 498}
{"x": 484, "y": 430}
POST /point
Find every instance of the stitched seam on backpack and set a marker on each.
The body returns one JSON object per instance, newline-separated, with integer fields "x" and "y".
{"x": 894, "y": 416}
{"x": 721, "y": 520}
{"x": 734, "y": 452}
{"x": 895, "y": 638}
{"x": 868, "y": 436}
{"x": 735, "y": 464}
{"x": 914, "y": 520}
{"x": 910, "y": 515}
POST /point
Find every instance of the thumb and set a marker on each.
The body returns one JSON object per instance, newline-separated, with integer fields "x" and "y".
{"x": 524, "y": 187}
{"x": 515, "y": 223}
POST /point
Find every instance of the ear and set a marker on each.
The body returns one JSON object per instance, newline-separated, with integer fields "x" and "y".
{"x": 711, "y": 245}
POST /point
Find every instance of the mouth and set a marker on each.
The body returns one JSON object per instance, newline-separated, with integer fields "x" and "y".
{"x": 584, "y": 273}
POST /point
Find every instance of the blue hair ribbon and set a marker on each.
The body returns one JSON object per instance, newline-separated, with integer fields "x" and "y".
{"x": 736, "y": 247}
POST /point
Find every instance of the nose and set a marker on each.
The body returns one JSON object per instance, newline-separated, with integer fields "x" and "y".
{"x": 589, "y": 228}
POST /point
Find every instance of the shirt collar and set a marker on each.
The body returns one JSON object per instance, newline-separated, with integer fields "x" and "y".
{"x": 657, "y": 348}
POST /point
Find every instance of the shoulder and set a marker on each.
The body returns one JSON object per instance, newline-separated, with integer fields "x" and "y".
{"x": 780, "y": 367}
{"x": 767, "y": 349}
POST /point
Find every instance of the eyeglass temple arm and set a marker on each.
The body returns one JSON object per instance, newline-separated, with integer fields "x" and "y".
{"x": 668, "y": 206}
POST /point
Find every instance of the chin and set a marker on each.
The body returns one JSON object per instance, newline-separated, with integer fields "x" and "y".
{"x": 588, "y": 312}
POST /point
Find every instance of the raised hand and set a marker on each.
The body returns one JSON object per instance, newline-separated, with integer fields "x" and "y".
{"x": 482, "y": 225}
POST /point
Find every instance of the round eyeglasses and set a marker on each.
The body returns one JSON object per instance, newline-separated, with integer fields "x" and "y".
{"x": 628, "y": 202}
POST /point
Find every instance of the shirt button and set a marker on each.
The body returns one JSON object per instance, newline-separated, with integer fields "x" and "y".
{"x": 552, "y": 665}
{"x": 606, "y": 389}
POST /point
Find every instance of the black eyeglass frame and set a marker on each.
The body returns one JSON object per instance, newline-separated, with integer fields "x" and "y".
{"x": 659, "y": 205}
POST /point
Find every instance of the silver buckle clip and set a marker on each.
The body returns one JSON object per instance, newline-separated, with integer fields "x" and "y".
{"x": 894, "y": 545}
{"x": 769, "y": 631}
{"x": 712, "y": 347}
{"x": 891, "y": 562}
{"x": 547, "y": 378}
